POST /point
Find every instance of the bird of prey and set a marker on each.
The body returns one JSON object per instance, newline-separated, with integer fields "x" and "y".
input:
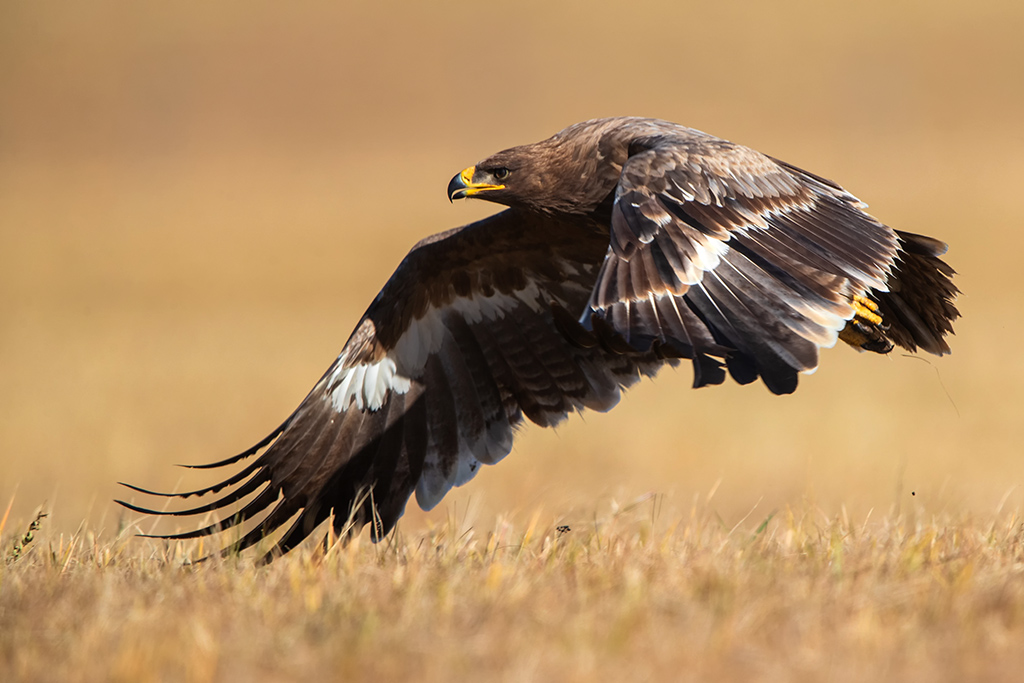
{"x": 627, "y": 244}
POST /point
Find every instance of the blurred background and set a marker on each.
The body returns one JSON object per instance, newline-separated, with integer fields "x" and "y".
{"x": 198, "y": 200}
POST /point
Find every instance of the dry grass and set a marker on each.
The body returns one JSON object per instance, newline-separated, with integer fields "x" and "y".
{"x": 637, "y": 594}
{"x": 197, "y": 201}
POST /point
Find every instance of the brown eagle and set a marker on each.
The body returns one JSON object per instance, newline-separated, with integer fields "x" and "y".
{"x": 628, "y": 243}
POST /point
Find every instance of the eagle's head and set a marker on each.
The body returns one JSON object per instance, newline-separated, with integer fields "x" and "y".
{"x": 573, "y": 172}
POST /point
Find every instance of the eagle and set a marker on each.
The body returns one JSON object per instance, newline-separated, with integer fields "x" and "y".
{"x": 627, "y": 244}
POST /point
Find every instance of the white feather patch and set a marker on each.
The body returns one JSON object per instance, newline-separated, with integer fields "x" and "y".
{"x": 709, "y": 253}
{"x": 495, "y": 306}
{"x": 366, "y": 384}
{"x": 425, "y": 335}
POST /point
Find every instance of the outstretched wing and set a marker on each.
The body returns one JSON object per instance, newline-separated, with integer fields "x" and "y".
{"x": 715, "y": 245}
{"x": 475, "y": 330}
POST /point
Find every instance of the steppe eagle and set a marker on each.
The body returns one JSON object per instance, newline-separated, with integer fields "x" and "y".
{"x": 628, "y": 243}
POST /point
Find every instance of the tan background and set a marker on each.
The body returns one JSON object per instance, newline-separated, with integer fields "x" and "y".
{"x": 197, "y": 201}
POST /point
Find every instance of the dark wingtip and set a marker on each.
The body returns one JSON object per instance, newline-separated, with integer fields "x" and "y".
{"x": 133, "y": 487}
{"x": 220, "y": 463}
{"x": 136, "y": 508}
{"x": 183, "y": 536}
{"x": 244, "y": 454}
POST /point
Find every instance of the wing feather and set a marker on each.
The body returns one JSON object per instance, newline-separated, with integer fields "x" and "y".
{"x": 470, "y": 336}
{"x": 766, "y": 256}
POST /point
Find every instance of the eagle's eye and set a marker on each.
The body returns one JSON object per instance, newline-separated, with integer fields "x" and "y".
{"x": 501, "y": 173}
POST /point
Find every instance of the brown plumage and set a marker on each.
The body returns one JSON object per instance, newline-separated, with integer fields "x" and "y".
{"x": 629, "y": 243}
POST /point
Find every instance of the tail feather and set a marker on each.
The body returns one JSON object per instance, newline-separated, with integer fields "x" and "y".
{"x": 918, "y": 310}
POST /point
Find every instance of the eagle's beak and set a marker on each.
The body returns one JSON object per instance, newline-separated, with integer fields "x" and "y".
{"x": 462, "y": 185}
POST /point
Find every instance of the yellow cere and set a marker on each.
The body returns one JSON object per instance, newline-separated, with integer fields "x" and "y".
{"x": 475, "y": 188}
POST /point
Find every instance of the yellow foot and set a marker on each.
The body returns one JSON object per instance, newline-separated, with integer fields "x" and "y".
{"x": 852, "y": 336}
{"x": 865, "y": 309}
{"x": 865, "y": 330}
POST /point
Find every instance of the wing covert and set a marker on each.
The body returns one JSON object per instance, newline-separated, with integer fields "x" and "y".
{"x": 717, "y": 247}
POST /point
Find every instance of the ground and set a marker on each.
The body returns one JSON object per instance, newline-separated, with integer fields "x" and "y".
{"x": 633, "y": 595}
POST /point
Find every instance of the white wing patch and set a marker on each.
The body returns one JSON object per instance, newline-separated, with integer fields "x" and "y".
{"x": 493, "y": 307}
{"x": 429, "y": 335}
{"x": 709, "y": 254}
{"x": 366, "y": 384}
{"x": 425, "y": 335}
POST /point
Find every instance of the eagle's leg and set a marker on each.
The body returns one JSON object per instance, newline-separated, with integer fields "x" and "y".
{"x": 865, "y": 331}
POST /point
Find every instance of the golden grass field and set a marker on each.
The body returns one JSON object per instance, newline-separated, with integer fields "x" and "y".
{"x": 198, "y": 201}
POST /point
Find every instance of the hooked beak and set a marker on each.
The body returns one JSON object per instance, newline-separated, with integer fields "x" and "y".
{"x": 462, "y": 185}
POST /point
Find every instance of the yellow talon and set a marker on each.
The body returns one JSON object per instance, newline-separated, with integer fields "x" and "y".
{"x": 865, "y": 308}
{"x": 865, "y": 331}
{"x": 865, "y": 302}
